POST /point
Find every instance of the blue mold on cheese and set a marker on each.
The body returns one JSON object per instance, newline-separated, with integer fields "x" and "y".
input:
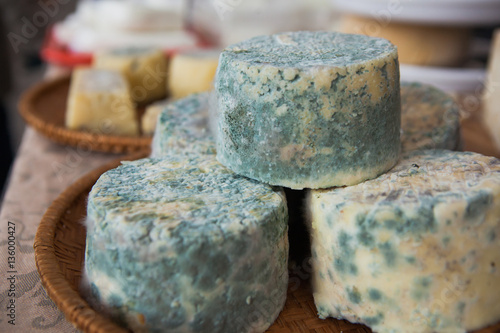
{"x": 309, "y": 109}
{"x": 422, "y": 230}
{"x": 183, "y": 244}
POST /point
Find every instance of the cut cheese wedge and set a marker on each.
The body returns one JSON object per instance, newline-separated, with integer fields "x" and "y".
{"x": 144, "y": 68}
{"x": 99, "y": 101}
{"x": 192, "y": 72}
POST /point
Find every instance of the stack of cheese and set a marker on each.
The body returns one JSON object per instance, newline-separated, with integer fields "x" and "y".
{"x": 393, "y": 231}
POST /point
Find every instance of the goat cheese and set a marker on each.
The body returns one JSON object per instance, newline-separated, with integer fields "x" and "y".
{"x": 183, "y": 244}
{"x": 309, "y": 109}
{"x": 414, "y": 250}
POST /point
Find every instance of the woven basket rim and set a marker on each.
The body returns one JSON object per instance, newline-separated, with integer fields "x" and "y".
{"x": 69, "y": 301}
{"x": 59, "y": 134}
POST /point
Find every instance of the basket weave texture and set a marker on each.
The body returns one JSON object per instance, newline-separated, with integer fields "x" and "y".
{"x": 59, "y": 254}
{"x": 44, "y": 108}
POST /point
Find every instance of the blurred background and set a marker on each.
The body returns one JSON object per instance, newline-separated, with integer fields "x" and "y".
{"x": 444, "y": 43}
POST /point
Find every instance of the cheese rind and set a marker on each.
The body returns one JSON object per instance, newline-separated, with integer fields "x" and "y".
{"x": 186, "y": 245}
{"x": 144, "y": 68}
{"x": 296, "y": 109}
{"x": 414, "y": 250}
{"x": 430, "y": 119}
{"x": 184, "y": 127}
{"x": 99, "y": 102}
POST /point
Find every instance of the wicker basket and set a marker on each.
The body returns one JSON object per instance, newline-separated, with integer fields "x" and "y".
{"x": 44, "y": 107}
{"x": 59, "y": 254}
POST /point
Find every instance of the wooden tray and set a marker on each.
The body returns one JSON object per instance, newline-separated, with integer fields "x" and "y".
{"x": 44, "y": 107}
{"x": 60, "y": 250}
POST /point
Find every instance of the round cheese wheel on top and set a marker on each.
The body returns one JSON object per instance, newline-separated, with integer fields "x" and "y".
{"x": 308, "y": 109}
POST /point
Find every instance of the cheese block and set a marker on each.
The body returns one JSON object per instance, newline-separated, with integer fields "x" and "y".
{"x": 422, "y": 45}
{"x": 184, "y": 127}
{"x": 491, "y": 93}
{"x": 99, "y": 101}
{"x": 430, "y": 118}
{"x": 144, "y": 68}
{"x": 414, "y": 250}
{"x": 150, "y": 116}
{"x": 309, "y": 109}
{"x": 192, "y": 72}
{"x": 186, "y": 245}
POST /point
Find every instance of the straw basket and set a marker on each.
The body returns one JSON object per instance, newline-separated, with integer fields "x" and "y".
{"x": 44, "y": 107}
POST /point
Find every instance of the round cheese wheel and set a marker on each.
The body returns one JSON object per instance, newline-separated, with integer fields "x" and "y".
{"x": 430, "y": 119}
{"x": 418, "y": 44}
{"x": 414, "y": 250}
{"x": 184, "y": 127}
{"x": 308, "y": 109}
{"x": 186, "y": 245}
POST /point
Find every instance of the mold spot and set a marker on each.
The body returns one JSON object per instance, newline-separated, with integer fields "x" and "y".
{"x": 421, "y": 288}
{"x": 354, "y": 295}
{"x": 390, "y": 255}
{"x": 478, "y": 204}
{"x": 491, "y": 236}
{"x": 374, "y": 320}
{"x": 344, "y": 261}
{"x": 411, "y": 260}
{"x": 374, "y": 294}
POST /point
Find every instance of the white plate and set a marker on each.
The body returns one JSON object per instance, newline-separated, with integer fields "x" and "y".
{"x": 444, "y": 78}
{"x": 438, "y": 12}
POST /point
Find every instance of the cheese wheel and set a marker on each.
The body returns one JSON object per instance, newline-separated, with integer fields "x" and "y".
{"x": 183, "y": 127}
{"x": 186, "y": 245}
{"x": 308, "y": 109}
{"x": 422, "y": 45}
{"x": 430, "y": 119}
{"x": 144, "y": 68}
{"x": 99, "y": 101}
{"x": 491, "y": 94}
{"x": 414, "y": 250}
{"x": 192, "y": 72}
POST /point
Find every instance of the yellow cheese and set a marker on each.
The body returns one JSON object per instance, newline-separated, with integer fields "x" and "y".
{"x": 145, "y": 70}
{"x": 417, "y": 44}
{"x": 99, "y": 101}
{"x": 192, "y": 72}
{"x": 150, "y": 116}
{"x": 491, "y": 96}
